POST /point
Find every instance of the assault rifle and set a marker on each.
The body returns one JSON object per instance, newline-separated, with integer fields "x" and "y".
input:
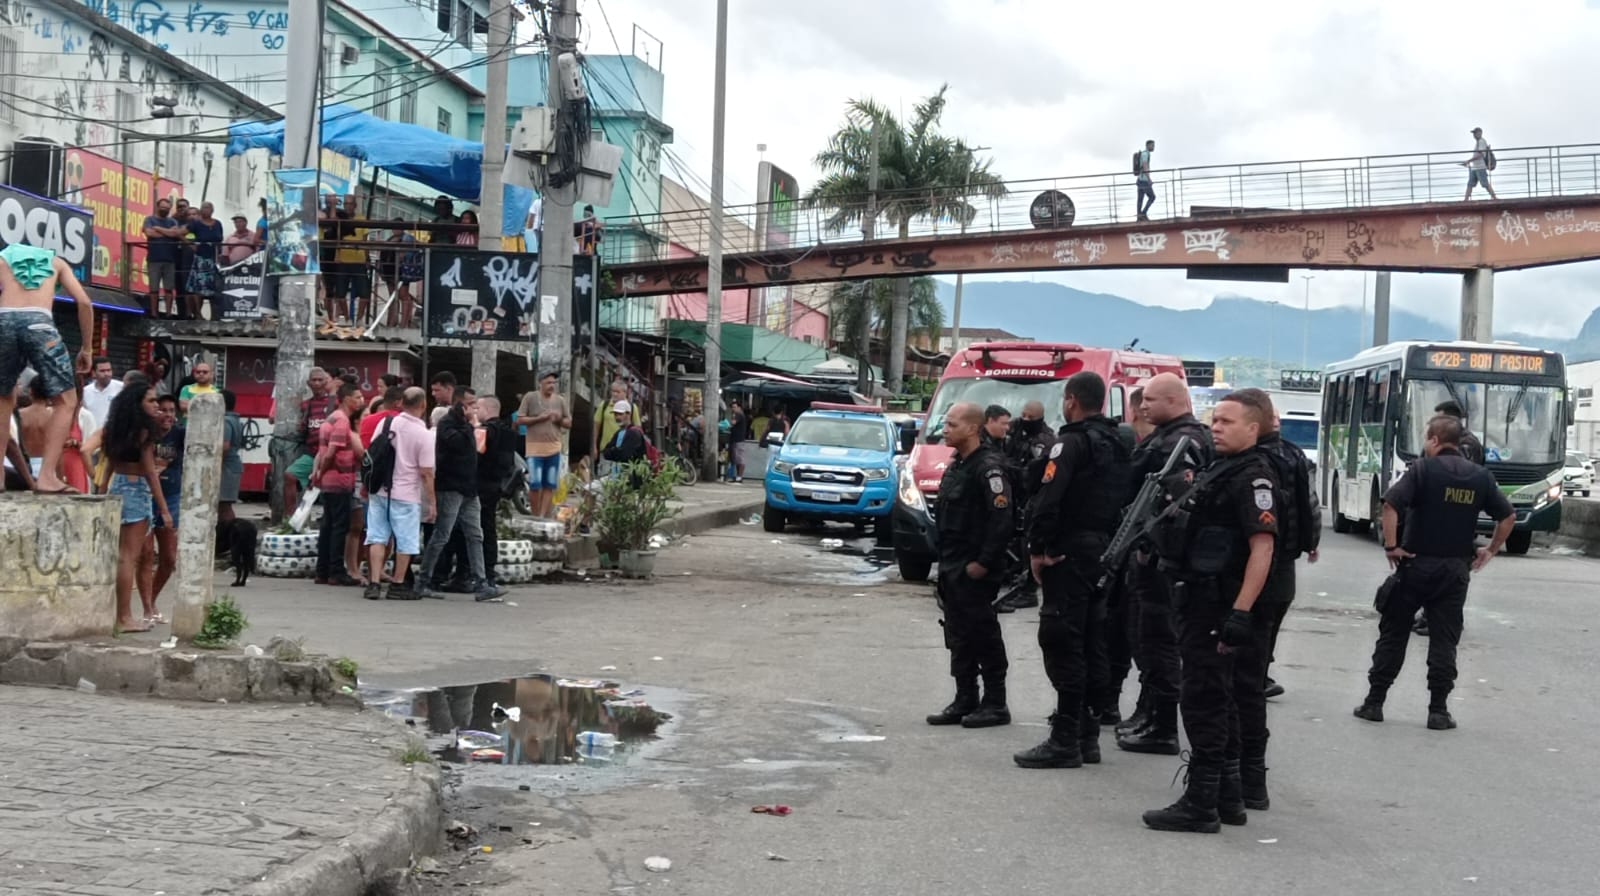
{"x": 1138, "y": 521}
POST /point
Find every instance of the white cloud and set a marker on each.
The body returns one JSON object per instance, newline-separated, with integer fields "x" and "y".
{"x": 1069, "y": 88}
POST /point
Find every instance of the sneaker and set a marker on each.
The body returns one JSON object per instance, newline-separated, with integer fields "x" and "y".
{"x": 1273, "y": 689}
{"x": 344, "y": 580}
{"x": 1440, "y": 720}
{"x": 489, "y": 594}
{"x": 1373, "y": 712}
{"x": 373, "y": 591}
{"x": 424, "y": 591}
{"x": 401, "y": 592}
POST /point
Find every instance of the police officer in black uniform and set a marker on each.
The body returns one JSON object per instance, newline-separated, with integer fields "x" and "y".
{"x": 975, "y": 521}
{"x": 1217, "y": 548}
{"x": 1070, "y": 522}
{"x": 1027, "y": 448}
{"x": 996, "y": 423}
{"x": 1441, "y": 495}
{"x": 1153, "y": 728}
{"x": 1472, "y": 450}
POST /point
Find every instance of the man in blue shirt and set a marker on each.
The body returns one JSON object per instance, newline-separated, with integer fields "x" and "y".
{"x": 162, "y": 233}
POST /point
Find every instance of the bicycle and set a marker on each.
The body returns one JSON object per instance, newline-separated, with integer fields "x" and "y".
{"x": 685, "y": 459}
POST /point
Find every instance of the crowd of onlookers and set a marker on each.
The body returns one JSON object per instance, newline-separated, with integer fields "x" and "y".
{"x": 186, "y": 250}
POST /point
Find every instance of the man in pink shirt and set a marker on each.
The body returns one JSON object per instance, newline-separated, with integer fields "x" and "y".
{"x": 338, "y": 460}
{"x": 398, "y": 510}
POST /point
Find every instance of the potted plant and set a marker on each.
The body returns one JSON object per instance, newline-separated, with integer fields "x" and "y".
{"x": 633, "y": 502}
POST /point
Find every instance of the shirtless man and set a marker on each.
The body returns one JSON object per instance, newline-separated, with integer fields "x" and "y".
{"x": 29, "y": 277}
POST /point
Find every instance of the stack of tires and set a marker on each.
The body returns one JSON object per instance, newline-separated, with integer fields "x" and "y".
{"x": 291, "y": 556}
{"x": 539, "y": 550}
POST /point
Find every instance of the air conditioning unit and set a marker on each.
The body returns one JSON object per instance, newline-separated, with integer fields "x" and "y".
{"x": 349, "y": 55}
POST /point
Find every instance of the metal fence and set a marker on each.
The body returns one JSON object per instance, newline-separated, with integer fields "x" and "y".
{"x": 1521, "y": 173}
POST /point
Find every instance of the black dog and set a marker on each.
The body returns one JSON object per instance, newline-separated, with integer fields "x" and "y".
{"x": 238, "y": 539}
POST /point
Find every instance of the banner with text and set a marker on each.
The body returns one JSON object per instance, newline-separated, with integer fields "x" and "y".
{"x": 29, "y": 220}
{"x": 245, "y": 293}
{"x": 96, "y": 182}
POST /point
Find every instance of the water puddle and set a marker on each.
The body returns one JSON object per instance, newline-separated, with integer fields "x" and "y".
{"x": 860, "y": 562}
{"x": 528, "y": 720}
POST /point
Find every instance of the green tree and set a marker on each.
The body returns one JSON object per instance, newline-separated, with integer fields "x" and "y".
{"x": 866, "y": 306}
{"x": 922, "y": 173}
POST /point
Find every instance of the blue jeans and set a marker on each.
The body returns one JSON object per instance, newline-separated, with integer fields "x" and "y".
{"x": 1147, "y": 195}
{"x": 1477, "y": 176}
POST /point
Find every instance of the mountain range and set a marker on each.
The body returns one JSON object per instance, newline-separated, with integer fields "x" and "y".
{"x": 1230, "y": 327}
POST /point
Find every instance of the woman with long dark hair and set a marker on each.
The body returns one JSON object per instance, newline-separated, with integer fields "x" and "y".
{"x": 129, "y": 441}
{"x": 468, "y": 237}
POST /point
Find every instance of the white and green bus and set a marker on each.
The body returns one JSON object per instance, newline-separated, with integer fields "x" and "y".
{"x": 1376, "y": 405}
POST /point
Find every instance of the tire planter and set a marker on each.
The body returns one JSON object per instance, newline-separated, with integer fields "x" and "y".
{"x": 286, "y": 567}
{"x": 543, "y": 530}
{"x": 520, "y": 551}
{"x": 292, "y": 546}
{"x": 523, "y": 573}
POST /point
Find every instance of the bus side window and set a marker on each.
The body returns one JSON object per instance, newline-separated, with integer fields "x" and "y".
{"x": 1115, "y": 401}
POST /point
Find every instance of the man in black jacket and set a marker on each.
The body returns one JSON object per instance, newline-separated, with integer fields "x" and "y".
{"x": 629, "y": 444}
{"x": 456, "y": 485}
{"x": 496, "y": 465}
{"x": 1070, "y": 522}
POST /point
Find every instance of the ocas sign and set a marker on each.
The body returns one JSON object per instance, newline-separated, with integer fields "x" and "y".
{"x": 28, "y": 220}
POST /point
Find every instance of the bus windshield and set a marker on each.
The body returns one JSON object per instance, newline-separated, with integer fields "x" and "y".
{"x": 1517, "y": 424}
{"x": 1301, "y": 431}
{"x": 1009, "y": 394}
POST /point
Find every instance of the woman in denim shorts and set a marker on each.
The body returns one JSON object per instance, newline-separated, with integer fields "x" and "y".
{"x": 129, "y": 443}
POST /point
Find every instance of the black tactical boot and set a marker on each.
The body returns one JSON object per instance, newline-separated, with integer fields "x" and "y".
{"x": 1160, "y": 736}
{"x": 991, "y": 711}
{"x": 1139, "y": 719}
{"x": 1059, "y": 750}
{"x": 966, "y": 701}
{"x": 1089, "y": 737}
{"x": 1440, "y": 720}
{"x": 1253, "y": 778}
{"x": 1230, "y": 795}
{"x": 1372, "y": 712}
{"x": 1273, "y": 689}
{"x": 1196, "y": 811}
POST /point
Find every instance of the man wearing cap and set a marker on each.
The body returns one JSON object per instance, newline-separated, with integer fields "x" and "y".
{"x": 629, "y": 444}
{"x": 240, "y": 244}
{"x": 1478, "y": 166}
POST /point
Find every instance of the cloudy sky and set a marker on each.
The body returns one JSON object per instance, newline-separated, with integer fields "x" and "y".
{"x": 1063, "y": 88}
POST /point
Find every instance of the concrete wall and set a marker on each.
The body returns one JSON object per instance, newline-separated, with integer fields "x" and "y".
{"x": 59, "y": 557}
{"x": 1580, "y": 518}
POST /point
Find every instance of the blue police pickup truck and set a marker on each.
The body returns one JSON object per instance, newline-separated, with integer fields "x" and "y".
{"x": 837, "y": 463}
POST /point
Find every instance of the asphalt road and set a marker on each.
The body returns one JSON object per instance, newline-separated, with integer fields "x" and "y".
{"x": 772, "y": 648}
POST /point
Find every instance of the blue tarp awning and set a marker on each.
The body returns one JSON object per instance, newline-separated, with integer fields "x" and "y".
{"x": 448, "y": 164}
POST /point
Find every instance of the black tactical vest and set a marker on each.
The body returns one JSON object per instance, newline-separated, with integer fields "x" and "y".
{"x": 1443, "y": 520}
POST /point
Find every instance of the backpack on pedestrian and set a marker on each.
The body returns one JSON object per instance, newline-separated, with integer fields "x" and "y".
{"x": 651, "y": 452}
{"x": 377, "y": 465}
{"x": 1138, "y": 158}
{"x": 1489, "y": 161}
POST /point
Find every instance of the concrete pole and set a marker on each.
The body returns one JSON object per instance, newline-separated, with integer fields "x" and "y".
{"x": 713, "y": 348}
{"x": 1477, "y": 305}
{"x": 1380, "y": 309}
{"x": 197, "y": 514}
{"x": 297, "y": 293}
{"x": 1305, "y": 323}
{"x": 491, "y": 194}
{"x": 869, "y": 227}
{"x": 555, "y": 244}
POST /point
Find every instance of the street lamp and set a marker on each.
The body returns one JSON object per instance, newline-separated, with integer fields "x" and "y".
{"x": 966, "y": 188}
{"x": 1305, "y": 322}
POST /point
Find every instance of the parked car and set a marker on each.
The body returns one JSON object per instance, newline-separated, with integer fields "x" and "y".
{"x": 837, "y": 463}
{"x": 1578, "y": 475}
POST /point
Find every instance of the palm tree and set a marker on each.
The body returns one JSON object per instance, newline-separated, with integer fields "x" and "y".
{"x": 921, "y": 174}
{"x": 866, "y": 306}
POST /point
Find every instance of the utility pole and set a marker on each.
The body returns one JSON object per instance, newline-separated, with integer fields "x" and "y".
{"x": 713, "y": 393}
{"x": 297, "y": 293}
{"x": 869, "y": 226}
{"x": 955, "y": 325}
{"x": 555, "y": 243}
{"x": 491, "y": 195}
{"x": 1305, "y": 322}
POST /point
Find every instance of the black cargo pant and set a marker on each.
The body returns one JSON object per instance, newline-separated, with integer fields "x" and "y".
{"x": 1439, "y": 586}
{"x": 1275, "y": 599}
{"x": 1122, "y": 639}
{"x": 1072, "y": 632}
{"x": 972, "y": 629}
{"x": 1158, "y": 636}
{"x": 1224, "y": 707}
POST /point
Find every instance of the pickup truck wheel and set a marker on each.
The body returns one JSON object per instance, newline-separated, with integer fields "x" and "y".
{"x": 913, "y": 568}
{"x": 772, "y": 519}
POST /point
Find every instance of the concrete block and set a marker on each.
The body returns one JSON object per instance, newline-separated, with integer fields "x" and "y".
{"x": 10, "y": 646}
{"x": 304, "y": 681}
{"x": 583, "y": 552}
{"x": 46, "y": 650}
{"x": 133, "y": 670}
{"x": 222, "y": 677}
{"x": 176, "y": 677}
{"x": 60, "y": 565}
{"x": 27, "y": 670}
{"x": 265, "y": 677}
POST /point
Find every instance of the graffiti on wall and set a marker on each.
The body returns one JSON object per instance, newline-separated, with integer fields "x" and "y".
{"x": 159, "y": 22}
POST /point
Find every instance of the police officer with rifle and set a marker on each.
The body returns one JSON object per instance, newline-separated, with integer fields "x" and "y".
{"x": 1441, "y": 495}
{"x": 975, "y": 522}
{"x": 1153, "y": 728}
{"x": 1217, "y": 548}
{"x": 1070, "y": 522}
{"x": 1027, "y": 447}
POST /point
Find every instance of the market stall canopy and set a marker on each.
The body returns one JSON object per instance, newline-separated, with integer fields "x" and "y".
{"x": 448, "y": 164}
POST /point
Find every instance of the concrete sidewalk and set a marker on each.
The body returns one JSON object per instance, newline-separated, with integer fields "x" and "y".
{"x": 711, "y": 504}
{"x": 111, "y": 796}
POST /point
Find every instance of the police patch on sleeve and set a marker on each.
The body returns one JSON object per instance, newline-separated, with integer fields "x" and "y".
{"x": 1264, "y": 498}
{"x": 1055, "y": 450}
{"x": 997, "y": 485}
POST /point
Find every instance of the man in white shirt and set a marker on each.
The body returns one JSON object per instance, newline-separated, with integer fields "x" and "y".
{"x": 100, "y": 390}
{"x": 1478, "y": 165}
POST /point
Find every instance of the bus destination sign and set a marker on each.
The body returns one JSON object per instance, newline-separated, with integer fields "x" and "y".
{"x": 1486, "y": 362}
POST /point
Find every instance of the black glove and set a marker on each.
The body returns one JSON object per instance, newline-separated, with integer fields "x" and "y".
{"x": 1236, "y": 630}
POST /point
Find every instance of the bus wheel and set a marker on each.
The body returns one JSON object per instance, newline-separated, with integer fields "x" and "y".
{"x": 1341, "y": 523}
{"x": 1519, "y": 542}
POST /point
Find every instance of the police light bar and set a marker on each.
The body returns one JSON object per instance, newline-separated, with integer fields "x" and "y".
{"x": 836, "y": 406}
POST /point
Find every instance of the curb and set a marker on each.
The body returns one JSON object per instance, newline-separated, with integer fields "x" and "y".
{"x": 697, "y": 522}
{"x": 409, "y": 828}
